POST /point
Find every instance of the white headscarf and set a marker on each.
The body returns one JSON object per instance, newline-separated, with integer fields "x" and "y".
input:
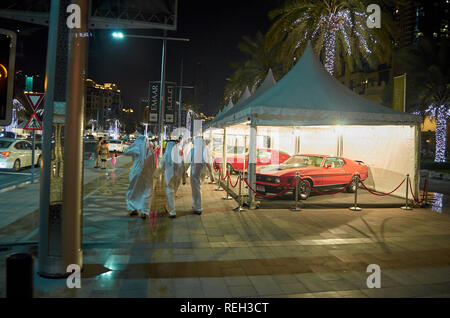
{"x": 138, "y": 149}
{"x": 172, "y": 161}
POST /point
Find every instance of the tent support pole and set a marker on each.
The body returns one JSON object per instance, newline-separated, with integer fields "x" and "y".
{"x": 252, "y": 165}
{"x": 224, "y": 151}
{"x": 417, "y": 166}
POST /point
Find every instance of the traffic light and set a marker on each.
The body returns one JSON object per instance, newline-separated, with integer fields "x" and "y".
{"x": 7, "y": 61}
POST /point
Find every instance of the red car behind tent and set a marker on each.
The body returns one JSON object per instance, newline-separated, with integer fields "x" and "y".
{"x": 320, "y": 171}
{"x": 264, "y": 156}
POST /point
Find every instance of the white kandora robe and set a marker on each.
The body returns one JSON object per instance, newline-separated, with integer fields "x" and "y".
{"x": 172, "y": 166}
{"x": 139, "y": 193}
{"x": 197, "y": 164}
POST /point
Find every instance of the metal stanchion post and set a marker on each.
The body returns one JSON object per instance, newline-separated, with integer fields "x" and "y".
{"x": 407, "y": 207}
{"x": 240, "y": 200}
{"x": 219, "y": 178}
{"x": 227, "y": 180}
{"x": 297, "y": 178}
{"x": 355, "y": 205}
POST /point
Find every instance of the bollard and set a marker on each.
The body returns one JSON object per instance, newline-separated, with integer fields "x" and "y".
{"x": 240, "y": 208}
{"x": 19, "y": 276}
{"x": 297, "y": 178}
{"x": 219, "y": 179}
{"x": 227, "y": 181}
{"x": 407, "y": 207}
{"x": 355, "y": 206}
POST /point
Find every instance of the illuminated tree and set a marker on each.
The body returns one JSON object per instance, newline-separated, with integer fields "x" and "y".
{"x": 428, "y": 85}
{"x": 337, "y": 30}
{"x": 252, "y": 71}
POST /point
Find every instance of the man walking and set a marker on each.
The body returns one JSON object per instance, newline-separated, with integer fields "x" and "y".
{"x": 97, "y": 152}
{"x": 197, "y": 164}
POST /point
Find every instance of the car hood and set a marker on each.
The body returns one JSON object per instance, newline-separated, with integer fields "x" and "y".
{"x": 278, "y": 170}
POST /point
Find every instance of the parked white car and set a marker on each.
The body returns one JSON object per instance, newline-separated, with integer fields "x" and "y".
{"x": 117, "y": 145}
{"x": 16, "y": 154}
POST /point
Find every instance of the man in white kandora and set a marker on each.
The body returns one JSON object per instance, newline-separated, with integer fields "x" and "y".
{"x": 197, "y": 164}
{"x": 173, "y": 168}
{"x": 139, "y": 193}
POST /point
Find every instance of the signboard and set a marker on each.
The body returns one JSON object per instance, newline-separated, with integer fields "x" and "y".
{"x": 399, "y": 101}
{"x": 34, "y": 99}
{"x": 33, "y": 123}
{"x": 170, "y": 101}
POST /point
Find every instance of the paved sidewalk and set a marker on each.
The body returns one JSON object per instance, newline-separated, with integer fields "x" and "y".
{"x": 20, "y": 203}
{"x": 258, "y": 253}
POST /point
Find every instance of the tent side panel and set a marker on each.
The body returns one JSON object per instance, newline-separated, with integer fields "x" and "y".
{"x": 389, "y": 152}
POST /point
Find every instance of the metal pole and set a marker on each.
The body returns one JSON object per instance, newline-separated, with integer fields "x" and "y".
{"x": 179, "y": 95}
{"x": 251, "y": 167}
{"x": 162, "y": 94}
{"x": 407, "y": 207}
{"x": 218, "y": 181}
{"x": 73, "y": 153}
{"x": 227, "y": 180}
{"x": 45, "y": 259}
{"x": 297, "y": 178}
{"x": 240, "y": 199}
{"x": 33, "y": 145}
{"x": 355, "y": 205}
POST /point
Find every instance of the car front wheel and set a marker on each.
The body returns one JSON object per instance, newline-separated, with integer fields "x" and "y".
{"x": 16, "y": 166}
{"x": 304, "y": 190}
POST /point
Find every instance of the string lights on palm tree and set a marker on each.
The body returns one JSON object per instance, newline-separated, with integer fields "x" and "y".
{"x": 336, "y": 28}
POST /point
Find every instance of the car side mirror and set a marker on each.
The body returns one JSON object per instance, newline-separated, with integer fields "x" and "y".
{"x": 328, "y": 165}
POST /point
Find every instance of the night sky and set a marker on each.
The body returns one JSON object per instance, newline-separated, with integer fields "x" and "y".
{"x": 214, "y": 29}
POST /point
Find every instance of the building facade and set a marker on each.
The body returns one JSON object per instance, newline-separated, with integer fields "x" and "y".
{"x": 103, "y": 103}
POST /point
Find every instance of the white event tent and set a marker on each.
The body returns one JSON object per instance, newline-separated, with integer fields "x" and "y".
{"x": 309, "y": 111}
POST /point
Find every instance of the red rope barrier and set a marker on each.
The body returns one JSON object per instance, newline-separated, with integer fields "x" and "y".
{"x": 221, "y": 175}
{"x": 265, "y": 196}
{"x": 328, "y": 193}
{"x": 382, "y": 194}
{"x": 229, "y": 180}
{"x": 423, "y": 194}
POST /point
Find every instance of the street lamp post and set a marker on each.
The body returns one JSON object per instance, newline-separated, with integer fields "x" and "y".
{"x": 120, "y": 35}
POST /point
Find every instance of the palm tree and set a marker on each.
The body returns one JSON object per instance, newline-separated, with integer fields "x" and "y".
{"x": 428, "y": 85}
{"x": 337, "y": 30}
{"x": 252, "y": 71}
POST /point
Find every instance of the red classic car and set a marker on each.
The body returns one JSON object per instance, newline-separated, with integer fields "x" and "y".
{"x": 318, "y": 170}
{"x": 237, "y": 159}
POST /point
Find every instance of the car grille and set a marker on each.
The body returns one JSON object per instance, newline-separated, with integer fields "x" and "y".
{"x": 265, "y": 178}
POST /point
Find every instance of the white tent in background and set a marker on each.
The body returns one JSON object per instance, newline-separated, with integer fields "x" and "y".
{"x": 309, "y": 111}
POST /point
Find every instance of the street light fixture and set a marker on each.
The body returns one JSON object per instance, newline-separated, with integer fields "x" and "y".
{"x": 120, "y": 35}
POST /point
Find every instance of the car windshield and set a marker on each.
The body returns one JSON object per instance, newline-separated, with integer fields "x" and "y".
{"x": 302, "y": 161}
{"x": 5, "y": 144}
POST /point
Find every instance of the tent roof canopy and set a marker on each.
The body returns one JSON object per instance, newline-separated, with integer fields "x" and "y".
{"x": 309, "y": 95}
{"x": 246, "y": 97}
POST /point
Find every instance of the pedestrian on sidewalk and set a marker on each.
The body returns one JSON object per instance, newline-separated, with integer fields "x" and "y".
{"x": 197, "y": 164}
{"x": 173, "y": 168}
{"x": 113, "y": 159}
{"x": 97, "y": 152}
{"x": 139, "y": 193}
{"x": 104, "y": 152}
